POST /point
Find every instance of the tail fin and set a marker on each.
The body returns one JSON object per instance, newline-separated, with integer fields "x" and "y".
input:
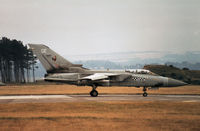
{"x": 50, "y": 59}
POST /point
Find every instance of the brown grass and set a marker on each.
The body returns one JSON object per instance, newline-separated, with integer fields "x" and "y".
{"x": 70, "y": 89}
{"x": 126, "y": 115}
{"x": 119, "y": 116}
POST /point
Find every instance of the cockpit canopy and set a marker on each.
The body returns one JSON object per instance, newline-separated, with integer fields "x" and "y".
{"x": 139, "y": 71}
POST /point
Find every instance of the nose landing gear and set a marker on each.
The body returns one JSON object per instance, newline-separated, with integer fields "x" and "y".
{"x": 145, "y": 93}
{"x": 94, "y": 92}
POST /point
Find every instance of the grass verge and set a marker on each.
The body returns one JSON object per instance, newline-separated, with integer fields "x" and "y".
{"x": 118, "y": 115}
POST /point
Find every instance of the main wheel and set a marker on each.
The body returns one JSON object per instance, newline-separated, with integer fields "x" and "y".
{"x": 94, "y": 93}
{"x": 145, "y": 94}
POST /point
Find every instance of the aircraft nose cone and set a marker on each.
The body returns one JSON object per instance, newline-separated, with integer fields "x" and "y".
{"x": 173, "y": 82}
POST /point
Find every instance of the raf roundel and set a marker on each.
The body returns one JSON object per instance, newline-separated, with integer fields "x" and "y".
{"x": 54, "y": 58}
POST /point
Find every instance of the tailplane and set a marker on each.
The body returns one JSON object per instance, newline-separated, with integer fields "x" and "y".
{"x": 51, "y": 61}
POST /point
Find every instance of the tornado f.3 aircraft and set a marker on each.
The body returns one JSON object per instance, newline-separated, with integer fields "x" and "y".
{"x": 61, "y": 70}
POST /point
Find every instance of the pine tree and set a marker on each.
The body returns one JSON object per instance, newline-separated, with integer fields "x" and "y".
{"x": 15, "y": 61}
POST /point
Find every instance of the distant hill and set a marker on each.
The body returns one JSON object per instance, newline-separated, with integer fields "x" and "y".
{"x": 124, "y": 60}
{"x": 191, "y": 66}
{"x": 103, "y": 64}
{"x": 143, "y": 57}
{"x": 186, "y": 75}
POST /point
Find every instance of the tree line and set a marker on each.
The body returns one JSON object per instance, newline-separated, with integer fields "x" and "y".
{"x": 17, "y": 62}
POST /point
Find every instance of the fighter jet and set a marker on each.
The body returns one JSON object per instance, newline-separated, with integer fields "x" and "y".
{"x": 61, "y": 70}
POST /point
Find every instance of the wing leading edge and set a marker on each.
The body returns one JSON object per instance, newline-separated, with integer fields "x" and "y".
{"x": 103, "y": 76}
{"x": 99, "y": 76}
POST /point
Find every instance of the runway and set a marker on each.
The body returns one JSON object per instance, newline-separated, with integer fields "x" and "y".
{"x": 100, "y": 98}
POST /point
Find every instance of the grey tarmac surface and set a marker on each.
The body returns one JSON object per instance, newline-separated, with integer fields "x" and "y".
{"x": 100, "y": 98}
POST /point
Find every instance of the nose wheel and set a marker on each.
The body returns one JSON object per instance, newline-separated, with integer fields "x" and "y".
{"x": 145, "y": 94}
{"x": 94, "y": 92}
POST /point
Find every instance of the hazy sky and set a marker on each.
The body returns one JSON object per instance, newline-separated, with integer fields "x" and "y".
{"x": 102, "y": 26}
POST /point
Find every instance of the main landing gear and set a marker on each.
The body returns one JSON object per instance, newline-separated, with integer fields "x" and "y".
{"x": 94, "y": 92}
{"x": 145, "y": 93}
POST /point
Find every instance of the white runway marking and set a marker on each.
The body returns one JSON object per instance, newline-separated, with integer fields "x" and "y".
{"x": 183, "y": 96}
{"x": 34, "y": 97}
